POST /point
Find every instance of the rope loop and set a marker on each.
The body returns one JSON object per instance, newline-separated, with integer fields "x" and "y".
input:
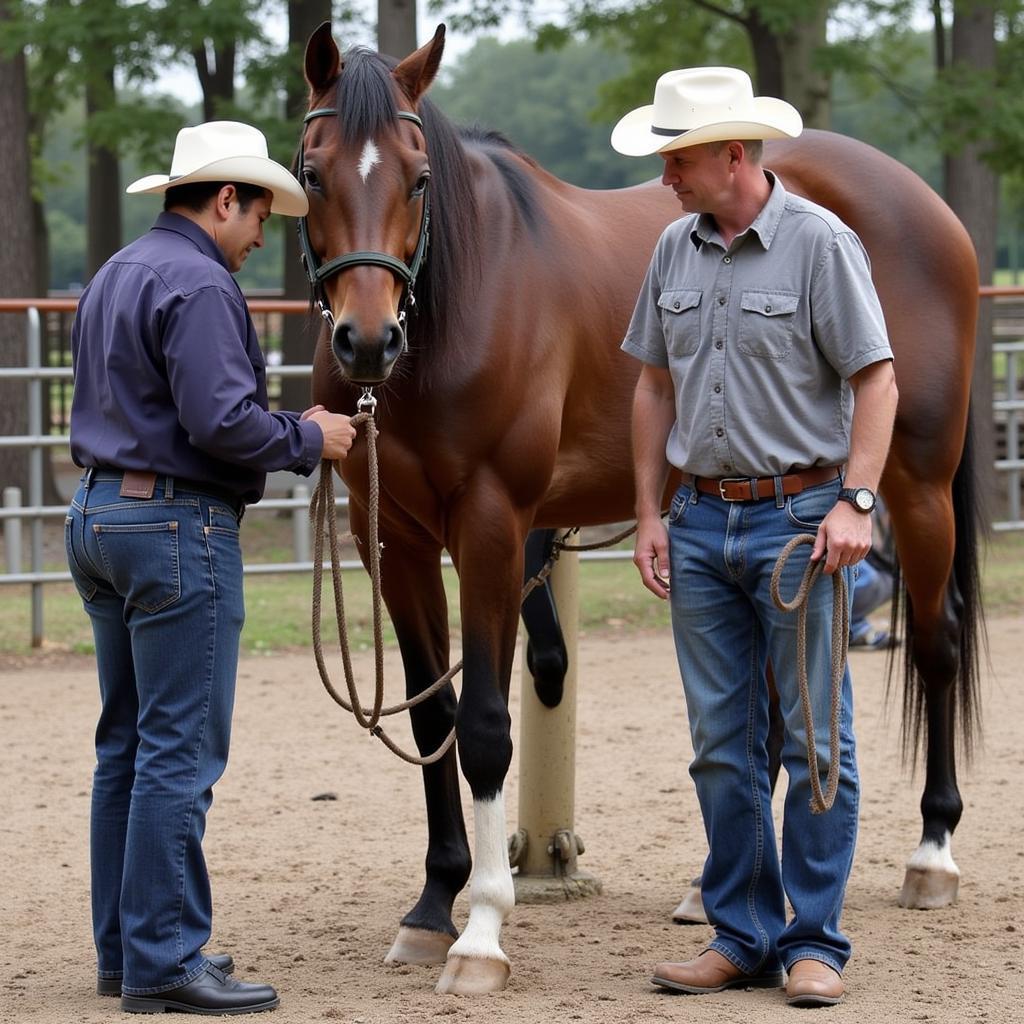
{"x": 819, "y": 802}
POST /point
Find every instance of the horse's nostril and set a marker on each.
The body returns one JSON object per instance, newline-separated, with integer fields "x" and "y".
{"x": 395, "y": 342}
{"x": 341, "y": 342}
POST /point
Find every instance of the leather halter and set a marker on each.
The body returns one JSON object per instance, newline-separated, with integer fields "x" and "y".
{"x": 318, "y": 272}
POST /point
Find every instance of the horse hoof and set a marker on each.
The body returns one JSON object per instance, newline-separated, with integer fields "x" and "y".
{"x": 473, "y": 976}
{"x": 691, "y": 909}
{"x": 419, "y": 946}
{"x": 929, "y": 890}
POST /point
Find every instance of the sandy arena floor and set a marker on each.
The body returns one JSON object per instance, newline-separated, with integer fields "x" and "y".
{"x": 308, "y": 893}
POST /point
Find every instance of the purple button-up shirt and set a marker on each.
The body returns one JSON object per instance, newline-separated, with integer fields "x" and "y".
{"x": 169, "y": 375}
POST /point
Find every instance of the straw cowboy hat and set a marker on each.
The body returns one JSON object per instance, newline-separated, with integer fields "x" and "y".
{"x": 697, "y": 105}
{"x": 227, "y": 151}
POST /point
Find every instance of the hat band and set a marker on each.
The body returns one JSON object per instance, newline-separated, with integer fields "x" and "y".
{"x": 668, "y": 131}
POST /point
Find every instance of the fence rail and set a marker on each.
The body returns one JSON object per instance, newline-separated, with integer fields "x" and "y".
{"x": 1008, "y": 410}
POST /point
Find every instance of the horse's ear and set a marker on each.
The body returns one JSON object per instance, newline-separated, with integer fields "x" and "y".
{"x": 323, "y": 62}
{"x": 417, "y": 71}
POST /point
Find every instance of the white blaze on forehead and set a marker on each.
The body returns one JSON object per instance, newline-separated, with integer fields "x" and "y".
{"x": 369, "y": 159}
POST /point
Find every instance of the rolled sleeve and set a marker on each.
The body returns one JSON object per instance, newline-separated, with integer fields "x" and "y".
{"x": 849, "y": 326}
{"x": 645, "y": 337}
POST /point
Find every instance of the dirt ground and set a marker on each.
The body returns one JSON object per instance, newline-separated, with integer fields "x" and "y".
{"x": 308, "y": 892}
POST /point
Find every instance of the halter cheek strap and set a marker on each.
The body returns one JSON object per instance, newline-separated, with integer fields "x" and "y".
{"x": 318, "y": 272}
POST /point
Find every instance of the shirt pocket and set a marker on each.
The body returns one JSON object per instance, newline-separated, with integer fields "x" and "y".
{"x": 767, "y": 320}
{"x": 680, "y": 319}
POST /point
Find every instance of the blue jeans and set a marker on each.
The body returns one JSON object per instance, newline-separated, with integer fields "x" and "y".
{"x": 726, "y": 629}
{"x": 161, "y": 580}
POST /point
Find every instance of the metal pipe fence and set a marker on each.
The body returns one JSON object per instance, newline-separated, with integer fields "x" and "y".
{"x": 1008, "y": 409}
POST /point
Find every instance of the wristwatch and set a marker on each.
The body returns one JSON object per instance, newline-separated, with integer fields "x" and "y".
{"x": 861, "y": 498}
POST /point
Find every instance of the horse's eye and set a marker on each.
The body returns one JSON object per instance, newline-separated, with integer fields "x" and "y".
{"x": 309, "y": 178}
{"x": 421, "y": 186}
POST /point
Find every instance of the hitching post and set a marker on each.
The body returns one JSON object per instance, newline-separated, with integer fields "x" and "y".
{"x": 546, "y": 846}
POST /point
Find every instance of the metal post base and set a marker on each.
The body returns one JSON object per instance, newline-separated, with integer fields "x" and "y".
{"x": 556, "y": 888}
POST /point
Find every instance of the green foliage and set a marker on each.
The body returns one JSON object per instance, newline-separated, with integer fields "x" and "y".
{"x": 552, "y": 118}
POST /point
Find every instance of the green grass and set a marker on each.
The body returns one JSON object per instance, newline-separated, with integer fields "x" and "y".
{"x": 278, "y": 608}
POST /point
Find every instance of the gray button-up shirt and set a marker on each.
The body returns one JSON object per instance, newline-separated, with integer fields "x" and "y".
{"x": 760, "y": 337}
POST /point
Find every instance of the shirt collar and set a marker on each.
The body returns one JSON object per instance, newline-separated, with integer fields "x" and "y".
{"x": 764, "y": 225}
{"x": 199, "y": 237}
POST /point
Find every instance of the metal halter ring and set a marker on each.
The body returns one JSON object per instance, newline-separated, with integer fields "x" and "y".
{"x": 367, "y": 401}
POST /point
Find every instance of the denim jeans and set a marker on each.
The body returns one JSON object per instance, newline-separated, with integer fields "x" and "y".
{"x": 161, "y": 580}
{"x": 726, "y": 630}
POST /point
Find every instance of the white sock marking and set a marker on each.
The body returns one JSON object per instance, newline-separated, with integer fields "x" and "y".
{"x": 929, "y": 856}
{"x": 491, "y": 893}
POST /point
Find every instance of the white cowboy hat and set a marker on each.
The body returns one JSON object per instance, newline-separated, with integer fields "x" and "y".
{"x": 227, "y": 151}
{"x": 697, "y": 105}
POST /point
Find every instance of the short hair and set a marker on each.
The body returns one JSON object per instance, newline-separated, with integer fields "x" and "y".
{"x": 754, "y": 148}
{"x": 196, "y": 195}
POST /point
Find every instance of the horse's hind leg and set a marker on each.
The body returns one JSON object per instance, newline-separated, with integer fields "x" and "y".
{"x": 414, "y": 593}
{"x": 923, "y": 524}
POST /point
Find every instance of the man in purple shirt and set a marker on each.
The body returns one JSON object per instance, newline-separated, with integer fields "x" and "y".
{"x": 170, "y": 421}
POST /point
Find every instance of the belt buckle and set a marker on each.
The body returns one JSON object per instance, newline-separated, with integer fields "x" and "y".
{"x": 731, "y": 480}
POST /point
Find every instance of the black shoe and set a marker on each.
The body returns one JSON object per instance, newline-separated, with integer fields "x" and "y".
{"x": 212, "y": 992}
{"x": 112, "y": 986}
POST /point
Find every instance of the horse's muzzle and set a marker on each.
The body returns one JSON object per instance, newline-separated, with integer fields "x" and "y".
{"x": 364, "y": 359}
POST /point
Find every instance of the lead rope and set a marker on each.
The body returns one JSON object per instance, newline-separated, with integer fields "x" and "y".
{"x": 819, "y": 802}
{"x": 321, "y": 510}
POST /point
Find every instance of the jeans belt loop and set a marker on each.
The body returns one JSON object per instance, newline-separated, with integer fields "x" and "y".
{"x": 169, "y": 488}
{"x": 754, "y": 495}
{"x": 780, "y": 497}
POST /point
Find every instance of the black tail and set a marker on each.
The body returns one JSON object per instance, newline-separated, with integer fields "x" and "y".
{"x": 964, "y": 593}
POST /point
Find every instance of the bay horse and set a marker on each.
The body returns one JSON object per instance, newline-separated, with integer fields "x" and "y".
{"x": 504, "y": 405}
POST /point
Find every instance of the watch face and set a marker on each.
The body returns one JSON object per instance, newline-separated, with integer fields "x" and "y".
{"x": 865, "y": 499}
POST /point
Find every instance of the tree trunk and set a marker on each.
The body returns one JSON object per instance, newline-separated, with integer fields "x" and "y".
{"x": 17, "y": 254}
{"x": 103, "y": 215}
{"x": 768, "y": 78}
{"x": 396, "y": 27}
{"x": 217, "y": 80}
{"x": 298, "y": 333}
{"x": 972, "y": 190}
{"x": 804, "y": 85}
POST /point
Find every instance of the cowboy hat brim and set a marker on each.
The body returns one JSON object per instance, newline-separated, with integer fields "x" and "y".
{"x": 288, "y": 196}
{"x": 769, "y": 119}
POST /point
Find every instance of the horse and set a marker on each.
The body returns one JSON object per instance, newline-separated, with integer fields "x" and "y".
{"x": 485, "y": 300}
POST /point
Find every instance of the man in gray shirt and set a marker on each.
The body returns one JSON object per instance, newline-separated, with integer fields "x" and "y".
{"x": 768, "y": 381}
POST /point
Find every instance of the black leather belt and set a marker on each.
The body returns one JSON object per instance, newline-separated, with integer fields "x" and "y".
{"x": 143, "y": 482}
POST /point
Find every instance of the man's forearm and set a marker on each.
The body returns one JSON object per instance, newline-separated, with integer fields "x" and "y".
{"x": 874, "y": 412}
{"x": 653, "y": 417}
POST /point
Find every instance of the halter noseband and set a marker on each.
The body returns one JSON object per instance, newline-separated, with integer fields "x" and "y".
{"x": 318, "y": 272}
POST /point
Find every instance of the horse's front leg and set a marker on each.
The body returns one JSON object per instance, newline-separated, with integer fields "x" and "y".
{"x": 487, "y": 547}
{"x": 413, "y": 590}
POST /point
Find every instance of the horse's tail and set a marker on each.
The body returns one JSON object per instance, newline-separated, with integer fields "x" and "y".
{"x": 964, "y": 596}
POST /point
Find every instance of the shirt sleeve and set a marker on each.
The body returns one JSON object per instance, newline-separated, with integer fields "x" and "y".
{"x": 645, "y": 337}
{"x": 214, "y": 387}
{"x": 846, "y": 316}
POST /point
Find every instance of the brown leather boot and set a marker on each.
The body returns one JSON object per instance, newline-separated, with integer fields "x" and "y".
{"x": 813, "y": 983}
{"x": 710, "y": 972}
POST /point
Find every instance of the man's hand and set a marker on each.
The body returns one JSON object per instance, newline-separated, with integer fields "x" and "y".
{"x": 337, "y": 430}
{"x": 844, "y": 537}
{"x": 651, "y": 555}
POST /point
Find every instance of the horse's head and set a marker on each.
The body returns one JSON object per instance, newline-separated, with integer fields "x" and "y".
{"x": 363, "y": 164}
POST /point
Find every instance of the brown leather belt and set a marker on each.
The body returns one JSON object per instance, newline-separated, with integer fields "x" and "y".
{"x": 139, "y": 483}
{"x": 743, "y": 488}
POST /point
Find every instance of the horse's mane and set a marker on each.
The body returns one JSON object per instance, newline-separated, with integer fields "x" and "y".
{"x": 365, "y": 101}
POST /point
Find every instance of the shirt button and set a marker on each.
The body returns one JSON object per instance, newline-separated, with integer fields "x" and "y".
{"x": 719, "y": 432}
{"x": 718, "y": 344}
{"x": 676, "y": 304}
{"x": 727, "y": 467}
{"x": 727, "y": 259}
{"x": 768, "y": 308}
{"x": 721, "y": 300}
{"x": 718, "y": 389}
